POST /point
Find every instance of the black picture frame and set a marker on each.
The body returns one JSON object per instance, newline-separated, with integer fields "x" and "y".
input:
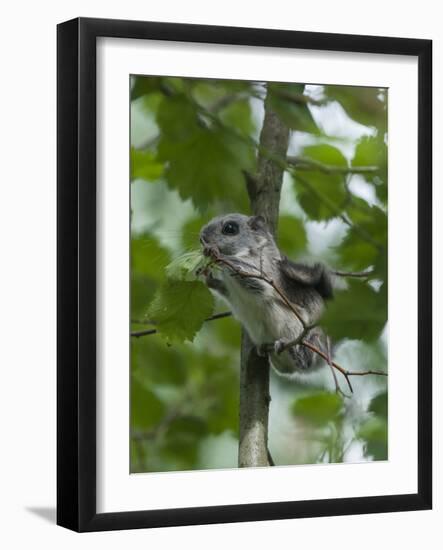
{"x": 76, "y": 280}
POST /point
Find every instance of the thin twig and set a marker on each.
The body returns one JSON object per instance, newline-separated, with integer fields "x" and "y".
{"x": 345, "y": 373}
{"x": 336, "y": 382}
{"x": 358, "y": 274}
{"x": 244, "y": 274}
{"x": 304, "y": 163}
{"x": 138, "y": 333}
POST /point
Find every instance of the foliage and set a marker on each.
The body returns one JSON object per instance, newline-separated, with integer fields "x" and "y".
{"x": 192, "y": 144}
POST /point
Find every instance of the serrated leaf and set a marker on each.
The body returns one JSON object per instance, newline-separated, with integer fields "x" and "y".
{"x": 179, "y": 309}
{"x": 358, "y": 312}
{"x": 292, "y": 237}
{"x": 204, "y": 163}
{"x": 148, "y": 262}
{"x": 186, "y": 266}
{"x": 319, "y": 408}
{"x": 144, "y": 165}
{"x": 356, "y": 253}
{"x": 320, "y": 194}
{"x": 238, "y": 115}
{"x": 293, "y": 112}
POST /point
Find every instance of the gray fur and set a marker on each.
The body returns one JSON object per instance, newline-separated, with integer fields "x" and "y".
{"x": 257, "y": 306}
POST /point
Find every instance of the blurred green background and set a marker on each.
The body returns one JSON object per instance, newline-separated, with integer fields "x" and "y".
{"x": 191, "y": 141}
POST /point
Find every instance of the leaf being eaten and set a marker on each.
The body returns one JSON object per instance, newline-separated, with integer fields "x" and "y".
{"x": 187, "y": 266}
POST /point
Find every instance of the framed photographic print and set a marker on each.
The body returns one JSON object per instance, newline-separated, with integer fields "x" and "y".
{"x": 244, "y": 274}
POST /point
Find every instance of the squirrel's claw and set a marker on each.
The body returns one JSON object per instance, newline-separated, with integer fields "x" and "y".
{"x": 210, "y": 251}
{"x": 262, "y": 350}
{"x": 279, "y": 345}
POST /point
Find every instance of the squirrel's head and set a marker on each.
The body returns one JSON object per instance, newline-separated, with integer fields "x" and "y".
{"x": 236, "y": 234}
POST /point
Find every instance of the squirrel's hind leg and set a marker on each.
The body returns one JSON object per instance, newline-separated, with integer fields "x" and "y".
{"x": 299, "y": 358}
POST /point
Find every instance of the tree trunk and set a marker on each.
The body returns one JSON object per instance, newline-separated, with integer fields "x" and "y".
{"x": 264, "y": 195}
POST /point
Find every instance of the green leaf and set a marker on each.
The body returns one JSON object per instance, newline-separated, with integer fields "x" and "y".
{"x": 356, "y": 313}
{"x": 238, "y": 115}
{"x": 284, "y": 100}
{"x": 292, "y": 237}
{"x": 179, "y": 309}
{"x": 148, "y": 262}
{"x": 186, "y": 266}
{"x": 142, "y": 85}
{"x": 142, "y": 291}
{"x": 321, "y": 194}
{"x": 209, "y": 92}
{"x": 375, "y": 433}
{"x": 355, "y": 251}
{"x": 326, "y": 154}
{"x": 144, "y": 165}
{"x": 319, "y": 408}
{"x": 366, "y": 105}
{"x": 204, "y": 164}
{"x": 379, "y": 405}
{"x": 372, "y": 151}
{"x": 177, "y": 118}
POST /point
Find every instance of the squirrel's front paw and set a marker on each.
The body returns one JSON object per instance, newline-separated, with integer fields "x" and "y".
{"x": 211, "y": 251}
{"x": 262, "y": 350}
{"x": 280, "y": 345}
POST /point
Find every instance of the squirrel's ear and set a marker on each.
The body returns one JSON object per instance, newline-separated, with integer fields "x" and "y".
{"x": 257, "y": 222}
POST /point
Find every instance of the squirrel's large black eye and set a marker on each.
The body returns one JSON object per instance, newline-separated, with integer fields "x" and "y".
{"x": 230, "y": 228}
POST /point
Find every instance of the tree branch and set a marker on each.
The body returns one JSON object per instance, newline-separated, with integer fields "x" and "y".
{"x": 264, "y": 196}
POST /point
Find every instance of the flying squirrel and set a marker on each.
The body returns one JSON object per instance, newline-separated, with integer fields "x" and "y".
{"x": 244, "y": 245}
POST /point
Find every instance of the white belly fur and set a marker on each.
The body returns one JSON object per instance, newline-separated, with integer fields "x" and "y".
{"x": 263, "y": 315}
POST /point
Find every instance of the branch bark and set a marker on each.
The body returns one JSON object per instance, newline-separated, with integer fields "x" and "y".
{"x": 264, "y": 195}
